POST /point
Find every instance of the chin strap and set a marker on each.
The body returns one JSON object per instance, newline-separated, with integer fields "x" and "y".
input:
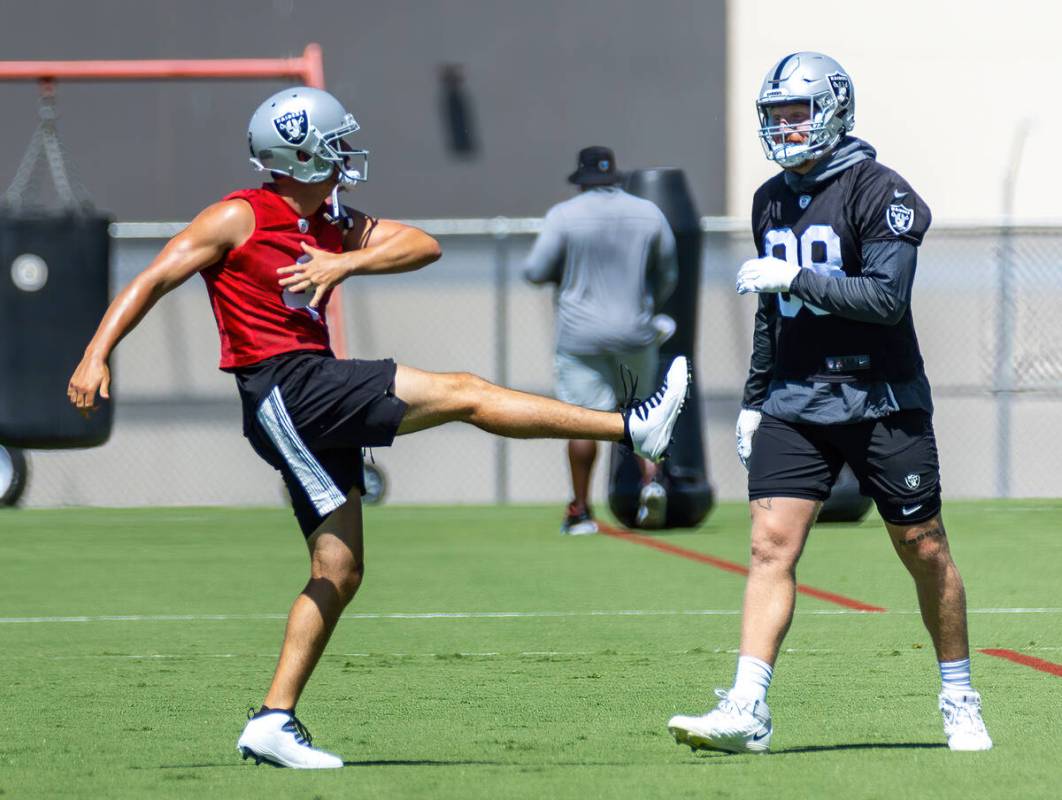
{"x": 338, "y": 214}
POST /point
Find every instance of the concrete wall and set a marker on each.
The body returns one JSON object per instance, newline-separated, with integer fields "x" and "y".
{"x": 545, "y": 78}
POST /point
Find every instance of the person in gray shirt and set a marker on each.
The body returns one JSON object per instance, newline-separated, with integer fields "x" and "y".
{"x": 612, "y": 258}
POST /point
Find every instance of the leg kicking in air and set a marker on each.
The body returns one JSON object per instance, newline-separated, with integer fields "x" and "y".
{"x": 270, "y": 258}
{"x": 413, "y": 400}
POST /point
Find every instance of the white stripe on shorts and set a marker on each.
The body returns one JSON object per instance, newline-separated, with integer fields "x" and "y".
{"x": 318, "y": 484}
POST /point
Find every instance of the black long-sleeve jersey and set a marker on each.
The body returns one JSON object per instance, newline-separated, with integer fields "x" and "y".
{"x": 847, "y": 318}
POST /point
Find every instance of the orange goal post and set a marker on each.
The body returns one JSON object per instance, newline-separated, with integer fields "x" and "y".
{"x": 307, "y": 69}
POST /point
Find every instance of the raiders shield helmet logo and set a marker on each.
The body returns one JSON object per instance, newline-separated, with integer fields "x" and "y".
{"x": 912, "y": 481}
{"x": 842, "y": 87}
{"x": 900, "y": 218}
{"x": 292, "y": 127}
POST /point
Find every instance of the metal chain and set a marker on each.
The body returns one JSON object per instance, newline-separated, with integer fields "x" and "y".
{"x": 45, "y": 142}
{"x": 19, "y": 184}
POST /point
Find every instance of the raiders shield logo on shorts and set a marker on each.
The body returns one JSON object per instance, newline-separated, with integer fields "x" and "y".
{"x": 292, "y": 126}
{"x": 900, "y": 218}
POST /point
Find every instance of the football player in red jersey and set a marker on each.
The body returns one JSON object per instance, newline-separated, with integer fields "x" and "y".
{"x": 270, "y": 258}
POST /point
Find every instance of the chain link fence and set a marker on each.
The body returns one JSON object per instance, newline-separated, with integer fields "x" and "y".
{"x": 986, "y": 306}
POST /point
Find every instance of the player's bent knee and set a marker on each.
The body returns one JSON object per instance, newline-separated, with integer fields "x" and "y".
{"x": 342, "y": 569}
{"x": 923, "y": 547}
{"x": 773, "y": 550}
{"x": 471, "y": 383}
{"x": 346, "y": 580}
{"x": 467, "y": 392}
{"x": 351, "y": 582}
{"x": 931, "y": 555}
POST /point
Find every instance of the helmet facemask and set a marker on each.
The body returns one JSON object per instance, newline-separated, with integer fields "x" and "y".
{"x": 822, "y": 129}
{"x": 332, "y": 148}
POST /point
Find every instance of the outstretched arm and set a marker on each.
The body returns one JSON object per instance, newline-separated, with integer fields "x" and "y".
{"x": 371, "y": 247}
{"x": 203, "y": 243}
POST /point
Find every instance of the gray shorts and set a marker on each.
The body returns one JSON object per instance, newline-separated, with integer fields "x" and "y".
{"x": 595, "y": 382}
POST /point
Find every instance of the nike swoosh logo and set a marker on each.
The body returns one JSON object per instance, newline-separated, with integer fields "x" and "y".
{"x": 897, "y": 195}
{"x": 761, "y": 735}
{"x": 909, "y": 510}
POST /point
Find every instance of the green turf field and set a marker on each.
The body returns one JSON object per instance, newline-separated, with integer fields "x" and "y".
{"x": 564, "y": 697}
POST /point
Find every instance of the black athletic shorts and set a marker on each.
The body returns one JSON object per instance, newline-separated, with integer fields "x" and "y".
{"x": 894, "y": 458}
{"x": 309, "y": 414}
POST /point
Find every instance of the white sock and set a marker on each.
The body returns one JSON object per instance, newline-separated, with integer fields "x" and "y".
{"x": 955, "y": 676}
{"x": 753, "y": 679}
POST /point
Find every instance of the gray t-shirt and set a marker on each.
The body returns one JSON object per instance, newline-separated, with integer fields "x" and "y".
{"x": 613, "y": 257}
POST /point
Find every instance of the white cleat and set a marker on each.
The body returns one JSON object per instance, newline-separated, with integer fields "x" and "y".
{"x": 962, "y": 721}
{"x": 734, "y": 726}
{"x": 652, "y": 506}
{"x": 278, "y": 738}
{"x": 651, "y": 422}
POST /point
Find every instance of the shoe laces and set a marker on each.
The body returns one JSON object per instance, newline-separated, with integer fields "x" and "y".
{"x": 963, "y": 713}
{"x": 630, "y": 389}
{"x": 295, "y": 727}
{"x": 740, "y": 707}
{"x": 726, "y": 705}
{"x": 630, "y": 399}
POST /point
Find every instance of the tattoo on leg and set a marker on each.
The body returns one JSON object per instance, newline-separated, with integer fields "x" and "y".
{"x": 936, "y": 532}
{"x": 764, "y": 503}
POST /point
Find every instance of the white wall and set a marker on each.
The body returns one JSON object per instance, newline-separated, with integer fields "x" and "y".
{"x": 942, "y": 88}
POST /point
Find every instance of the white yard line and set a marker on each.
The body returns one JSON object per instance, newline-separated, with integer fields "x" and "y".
{"x": 489, "y": 654}
{"x": 708, "y": 612}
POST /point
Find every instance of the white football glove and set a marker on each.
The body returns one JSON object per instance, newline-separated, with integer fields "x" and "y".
{"x": 747, "y": 423}
{"x": 767, "y": 274}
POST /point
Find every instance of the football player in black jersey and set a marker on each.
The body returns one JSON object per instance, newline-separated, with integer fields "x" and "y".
{"x": 836, "y": 377}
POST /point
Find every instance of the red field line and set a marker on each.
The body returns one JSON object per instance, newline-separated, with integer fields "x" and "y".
{"x": 1025, "y": 661}
{"x": 730, "y": 566}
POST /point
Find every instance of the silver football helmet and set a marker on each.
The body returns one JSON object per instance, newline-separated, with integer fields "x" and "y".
{"x": 300, "y": 132}
{"x": 822, "y": 83}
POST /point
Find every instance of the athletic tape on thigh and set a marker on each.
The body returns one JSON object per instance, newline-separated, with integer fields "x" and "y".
{"x": 315, "y": 481}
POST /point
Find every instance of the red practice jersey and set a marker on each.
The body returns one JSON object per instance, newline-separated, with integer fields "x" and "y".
{"x": 257, "y": 318}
